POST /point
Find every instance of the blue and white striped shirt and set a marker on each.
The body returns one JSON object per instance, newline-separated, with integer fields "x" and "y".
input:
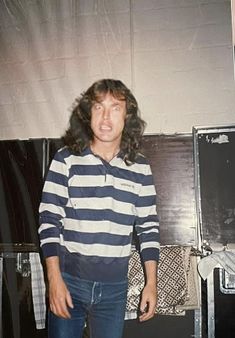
{"x": 88, "y": 210}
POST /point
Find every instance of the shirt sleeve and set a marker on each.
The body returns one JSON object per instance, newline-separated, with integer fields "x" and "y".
{"x": 147, "y": 222}
{"x": 52, "y": 206}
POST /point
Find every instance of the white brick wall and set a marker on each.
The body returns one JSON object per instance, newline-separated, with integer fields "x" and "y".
{"x": 176, "y": 55}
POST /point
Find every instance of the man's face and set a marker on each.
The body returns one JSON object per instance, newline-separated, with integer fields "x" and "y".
{"x": 108, "y": 119}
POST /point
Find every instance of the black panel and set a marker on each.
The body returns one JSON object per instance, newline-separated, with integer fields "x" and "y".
{"x": 216, "y": 160}
{"x": 171, "y": 159}
{"x": 21, "y": 169}
{"x": 53, "y": 145}
{"x": 162, "y": 327}
{"x": 224, "y": 311}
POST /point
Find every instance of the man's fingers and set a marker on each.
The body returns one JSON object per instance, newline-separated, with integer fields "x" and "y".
{"x": 60, "y": 309}
{"x": 147, "y": 314}
{"x": 69, "y": 301}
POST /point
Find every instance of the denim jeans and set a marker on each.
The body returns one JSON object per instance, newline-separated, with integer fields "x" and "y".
{"x": 101, "y": 304}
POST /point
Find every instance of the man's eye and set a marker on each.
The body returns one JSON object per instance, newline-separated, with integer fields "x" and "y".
{"x": 117, "y": 108}
{"x": 97, "y": 106}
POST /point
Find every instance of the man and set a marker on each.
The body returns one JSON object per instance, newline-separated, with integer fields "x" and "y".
{"x": 97, "y": 190}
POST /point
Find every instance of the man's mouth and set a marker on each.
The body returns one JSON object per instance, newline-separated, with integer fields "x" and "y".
{"x": 105, "y": 128}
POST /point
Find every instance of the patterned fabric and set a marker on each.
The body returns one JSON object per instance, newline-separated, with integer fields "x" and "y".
{"x": 173, "y": 272}
{"x": 135, "y": 282}
{"x": 38, "y": 290}
{"x": 172, "y": 278}
{"x": 193, "y": 295}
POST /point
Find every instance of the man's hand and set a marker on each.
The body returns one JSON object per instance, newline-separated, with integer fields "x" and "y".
{"x": 149, "y": 295}
{"x": 59, "y": 296}
{"x": 148, "y": 302}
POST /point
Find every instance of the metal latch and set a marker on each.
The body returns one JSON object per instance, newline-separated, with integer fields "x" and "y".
{"x": 23, "y": 264}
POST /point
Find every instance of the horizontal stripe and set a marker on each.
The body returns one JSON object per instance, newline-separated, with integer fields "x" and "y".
{"x": 98, "y": 238}
{"x": 148, "y": 245}
{"x": 117, "y": 194}
{"x": 147, "y": 225}
{"x": 50, "y": 232}
{"x": 87, "y": 181}
{"x": 146, "y": 211}
{"x": 85, "y": 160}
{"x": 50, "y": 240}
{"x": 58, "y": 201}
{"x": 59, "y": 189}
{"x": 147, "y": 181}
{"x": 140, "y": 222}
{"x": 116, "y": 173}
{"x": 88, "y": 170}
{"x": 59, "y": 167}
{"x": 150, "y": 231}
{"x": 103, "y": 203}
{"x": 146, "y": 201}
{"x": 100, "y": 215}
{"x": 51, "y": 208}
{"x": 98, "y": 226}
{"x": 104, "y": 179}
{"x": 137, "y": 168}
{"x": 46, "y": 217}
{"x": 148, "y": 237}
{"x": 46, "y": 226}
{"x": 99, "y": 249}
{"x": 58, "y": 178}
{"x": 147, "y": 190}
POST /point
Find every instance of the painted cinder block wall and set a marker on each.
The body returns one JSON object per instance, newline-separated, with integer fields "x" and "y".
{"x": 176, "y": 56}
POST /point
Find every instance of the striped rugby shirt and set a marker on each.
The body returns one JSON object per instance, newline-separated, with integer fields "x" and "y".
{"x": 88, "y": 210}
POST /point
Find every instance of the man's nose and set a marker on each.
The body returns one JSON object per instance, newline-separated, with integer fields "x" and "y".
{"x": 106, "y": 114}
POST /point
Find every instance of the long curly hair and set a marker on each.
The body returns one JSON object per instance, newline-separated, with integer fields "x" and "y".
{"x": 79, "y": 134}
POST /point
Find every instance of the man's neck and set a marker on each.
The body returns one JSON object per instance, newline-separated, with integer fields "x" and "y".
{"x": 105, "y": 150}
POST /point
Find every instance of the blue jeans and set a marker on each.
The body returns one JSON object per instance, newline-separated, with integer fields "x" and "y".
{"x": 101, "y": 304}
